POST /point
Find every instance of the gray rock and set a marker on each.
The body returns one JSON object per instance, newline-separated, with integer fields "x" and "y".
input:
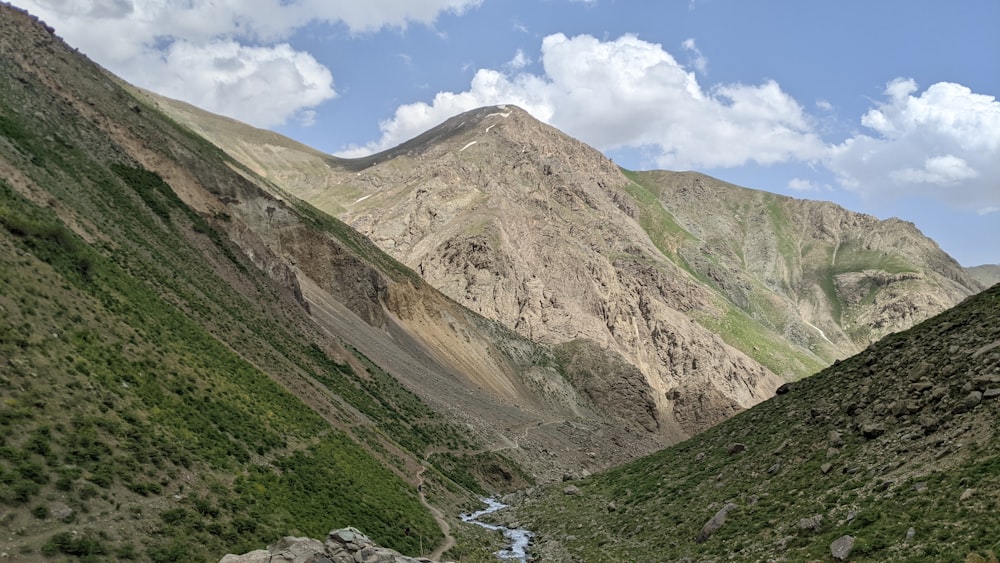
{"x": 736, "y": 448}
{"x": 296, "y": 550}
{"x": 774, "y": 468}
{"x": 910, "y": 533}
{"x": 256, "y": 556}
{"x": 812, "y": 523}
{"x": 841, "y": 548}
{"x": 825, "y": 468}
{"x": 61, "y": 512}
{"x": 714, "y": 523}
{"x": 571, "y": 490}
{"x": 969, "y": 402}
{"x": 347, "y": 545}
{"x": 836, "y": 439}
{"x": 920, "y": 487}
{"x": 967, "y": 494}
{"x": 928, "y": 423}
{"x": 984, "y": 382}
{"x": 991, "y": 393}
{"x": 871, "y": 430}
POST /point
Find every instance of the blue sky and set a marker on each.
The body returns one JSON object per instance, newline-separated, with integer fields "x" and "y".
{"x": 886, "y": 107}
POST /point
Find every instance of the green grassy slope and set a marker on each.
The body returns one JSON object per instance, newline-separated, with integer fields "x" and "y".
{"x": 900, "y": 436}
{"x": 740, "y": 327}
{"x": 151, "y": 378}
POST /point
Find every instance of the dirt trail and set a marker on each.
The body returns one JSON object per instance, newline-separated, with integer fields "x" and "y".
{"x": 516, "y": 442}
{"x": 442, "y": 522}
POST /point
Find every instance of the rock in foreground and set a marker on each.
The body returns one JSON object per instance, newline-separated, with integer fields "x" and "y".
{"x": 346, "y": 545}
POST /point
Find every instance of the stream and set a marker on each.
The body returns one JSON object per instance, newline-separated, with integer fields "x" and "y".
{"x": 518, "y": 538}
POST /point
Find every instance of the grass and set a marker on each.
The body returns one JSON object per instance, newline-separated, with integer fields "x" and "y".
{"x": 141, "y": 354}
{"x": 875, "y": 490}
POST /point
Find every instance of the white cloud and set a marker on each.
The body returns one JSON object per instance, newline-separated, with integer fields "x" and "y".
{"x": 824, "y": 105}
{"x": 630, "y": 93}
{"x": 700, "y": 62}
{"x": 264, "y": 86}
{"x": 942, "y": 144}
{"x": 519, "y": 61}
{"x": 236, "y": 62}
{"x": 802, "y": 185}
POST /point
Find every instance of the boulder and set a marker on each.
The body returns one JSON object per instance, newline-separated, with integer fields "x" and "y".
{"x": 714, "y": 523}
{"x": 872, "y": 430}
{"x": 812, "y": 523}
{"x": 256, "y": 556}
{"x": 841, "y": 548}
{"x": 969, "y": 402}
{"x": 571, "y": 490}
{"x": 835, "y": 438}
{"x": 346, "y": 545}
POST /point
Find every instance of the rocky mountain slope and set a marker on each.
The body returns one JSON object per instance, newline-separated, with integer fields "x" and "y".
{"x": 522, "y": 227}
{"x": 822, "y": 276}
{"x": 533, "y": 229}
{"x": 987, "y": 274}
{"x": 890, "y": 455}
{"x": 194, "y": 362}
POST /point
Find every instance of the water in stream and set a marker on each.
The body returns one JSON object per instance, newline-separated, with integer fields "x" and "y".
{"x": 518, "y": 538}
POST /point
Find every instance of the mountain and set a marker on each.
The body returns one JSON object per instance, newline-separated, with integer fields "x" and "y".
{"x": 545, "y": 235}
{"x": 194, "y": 362}
{"x": 987, "y": 274}
{"x": 896, "y": 448}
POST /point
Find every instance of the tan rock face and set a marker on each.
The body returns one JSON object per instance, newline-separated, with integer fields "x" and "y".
{"x": 525, "y": 226}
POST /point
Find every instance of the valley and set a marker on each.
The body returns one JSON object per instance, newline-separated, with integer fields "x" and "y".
{"x": 212, "y": 337}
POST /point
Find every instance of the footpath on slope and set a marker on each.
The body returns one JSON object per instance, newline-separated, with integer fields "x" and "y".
{"x": 449, "y": 540}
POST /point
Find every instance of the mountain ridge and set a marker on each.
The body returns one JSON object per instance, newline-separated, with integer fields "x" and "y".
{"x": 465, "y": 203}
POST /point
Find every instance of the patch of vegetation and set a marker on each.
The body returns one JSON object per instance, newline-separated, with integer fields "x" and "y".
{"x": 658, "y": 223}
{"x": 134, "y": 374}
{"x": 807, "y": 472}
{"x": 483, "y": 473}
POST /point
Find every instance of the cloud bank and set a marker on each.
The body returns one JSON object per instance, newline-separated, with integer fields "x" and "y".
{"x": 630, "y": 93}
{"x": 942, "y": 144}
{"x": 227, "y": 56}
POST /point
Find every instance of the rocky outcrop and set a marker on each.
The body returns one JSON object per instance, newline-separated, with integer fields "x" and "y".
{"x": 346, "y": 545}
